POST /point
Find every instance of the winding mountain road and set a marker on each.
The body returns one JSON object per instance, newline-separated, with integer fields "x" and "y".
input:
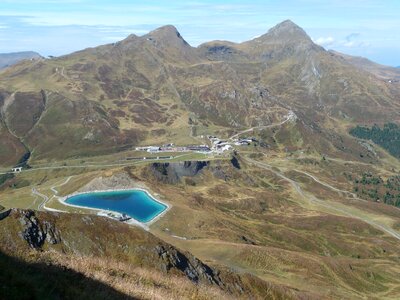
{"x": 312, "y": 199}
{"x": 42, "y": 206}
{"x": 327, "y": 185}
{"x": 289, "y": 117}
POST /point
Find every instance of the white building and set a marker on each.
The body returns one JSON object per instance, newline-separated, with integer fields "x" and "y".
{"x": 16, "y": 169}
{"x": 224, "y": 148}
{"x": 153, "y": 149}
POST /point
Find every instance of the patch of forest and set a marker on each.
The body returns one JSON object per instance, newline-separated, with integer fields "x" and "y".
{"x": 387, "y": 137}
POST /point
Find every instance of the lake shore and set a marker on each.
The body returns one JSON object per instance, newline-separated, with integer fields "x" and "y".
{"x": 132, "y": 221}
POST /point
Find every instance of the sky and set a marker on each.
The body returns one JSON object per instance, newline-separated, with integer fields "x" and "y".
{"x": 368, "y": 28}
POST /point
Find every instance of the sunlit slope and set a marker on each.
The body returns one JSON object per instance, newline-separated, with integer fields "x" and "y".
{"x": 156, "y": 87}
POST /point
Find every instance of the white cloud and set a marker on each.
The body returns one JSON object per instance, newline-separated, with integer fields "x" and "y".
{"x": 352, "y": 36}
{"x": 325, "y": 41}
{"x": 354, "y": 44}
{"x": 352, "y": 41}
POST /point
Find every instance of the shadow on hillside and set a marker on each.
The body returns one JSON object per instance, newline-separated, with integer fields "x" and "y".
{"x": 22, "y": 280}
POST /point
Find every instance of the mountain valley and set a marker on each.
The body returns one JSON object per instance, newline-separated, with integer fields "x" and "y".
{"x": 288, "y": 210}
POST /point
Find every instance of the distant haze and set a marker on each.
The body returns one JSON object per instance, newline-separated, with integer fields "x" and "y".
{"x": 8, "y": 59}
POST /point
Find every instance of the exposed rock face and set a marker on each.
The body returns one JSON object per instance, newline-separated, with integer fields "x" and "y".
{"x": 34, "y": 233}
{"x": 4, "y": 213}
{"x": 194, "y": 269}
{"x": 52, "y": 234}
{"x": 173, "y": 172}
{"x": 219, "y": 172}
{"x": 235, "y": 162}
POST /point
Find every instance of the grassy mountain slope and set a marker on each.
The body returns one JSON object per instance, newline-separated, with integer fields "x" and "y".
{"x": 381, "y": 71}
{"x": 85, "y": 258}
{"x": 145, "y": 89}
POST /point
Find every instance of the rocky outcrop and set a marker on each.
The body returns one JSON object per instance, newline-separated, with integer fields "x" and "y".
{"x": 34, "y": 233}
{"x": 52, "y": 234}
{"x": 173, "y": 172}
{"x": 193, "y": 268}
{"x": 4, "y": 213}
{"x": 235, "y": 162}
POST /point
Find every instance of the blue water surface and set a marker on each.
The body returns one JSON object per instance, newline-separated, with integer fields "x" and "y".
{"x": 135, "y": 203}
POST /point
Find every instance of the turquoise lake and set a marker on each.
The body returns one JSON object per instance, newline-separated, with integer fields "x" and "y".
{"x": 137, "y": 204}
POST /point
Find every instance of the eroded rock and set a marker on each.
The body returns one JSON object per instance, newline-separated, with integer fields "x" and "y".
{"x": 193, "y": 268}
{"x": 34, "y": 233}
{"x": 173, "y": 172}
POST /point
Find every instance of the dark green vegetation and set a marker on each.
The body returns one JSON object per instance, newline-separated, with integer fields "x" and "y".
{"x": 11, "y": 181}
{"x": 387, "y": 137}
{"x": 5, "y": 177}
{"x": 375, "y": 188}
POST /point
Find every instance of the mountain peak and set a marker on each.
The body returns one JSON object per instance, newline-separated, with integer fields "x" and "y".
{"x": 166, "y": 32}
{"x": 169, "y": 41}
{"x": 287, "y": 24}
{"x": 288, "y": 30}
{"x": 167, "y": 29}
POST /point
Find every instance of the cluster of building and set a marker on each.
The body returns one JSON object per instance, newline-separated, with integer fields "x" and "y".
{"x": 244, "y": 142}
{"x": 172, "y": 148}
{"x": 217, "y": 146}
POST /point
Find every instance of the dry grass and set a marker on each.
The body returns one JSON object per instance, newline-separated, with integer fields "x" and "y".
{"x": 135, "y": 281}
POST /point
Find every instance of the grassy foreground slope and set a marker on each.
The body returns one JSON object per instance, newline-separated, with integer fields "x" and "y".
{"x": 79, "y": 256}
